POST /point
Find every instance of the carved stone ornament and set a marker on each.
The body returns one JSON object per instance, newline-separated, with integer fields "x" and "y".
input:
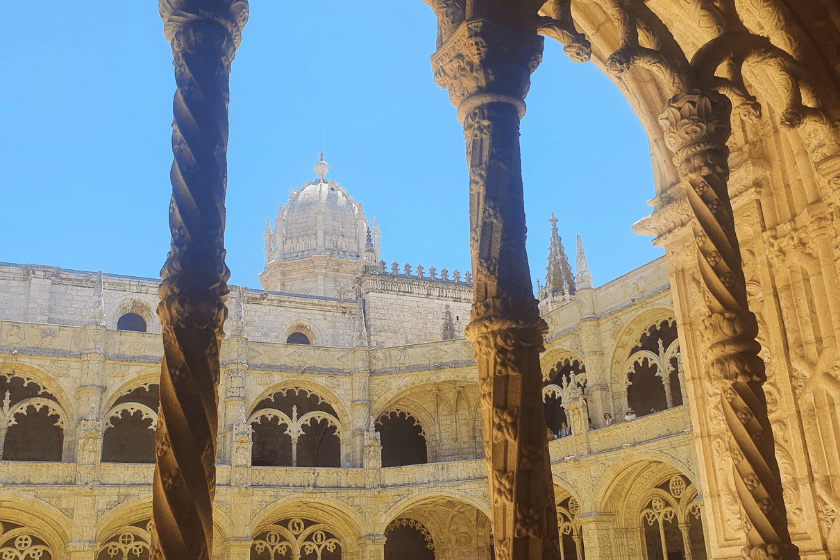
{"x": 194, "y": 278}
{"x": 697, "y": 126}
{"x": 486, "y": 68}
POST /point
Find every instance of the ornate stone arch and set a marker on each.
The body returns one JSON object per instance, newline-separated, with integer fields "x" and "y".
{"x": 602, "y": 492}
{"x": 42, "y": 519}
{"x": 48, "y": 397}
{"x": 313, "y": 388}
{"x": 404, "y": 505}
{"x": 138, "y": 305}
{"x": 126, "y": 513}
{"x": 349, "y": 525}
{"x": 401, "y": 403}
{"x": 297, "y": 423}
{"x": 132, "y": 512}
{"x": 557, "y": 355}
{"x": 624, "y": 342}
{"x": 568, "y": 488}
{"x": 43, "y": 379}
{"x": 114, "y": 392}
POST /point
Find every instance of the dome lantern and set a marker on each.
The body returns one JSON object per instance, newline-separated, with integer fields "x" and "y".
{"x": 321, "y": 168}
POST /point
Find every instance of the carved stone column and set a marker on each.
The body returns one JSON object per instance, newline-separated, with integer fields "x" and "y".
{"x": 598, "y": 532}
{"x": 697, "y": 126}
{"x": 204, "y": 35}
{"x": 684, "y": 529}
{"x": 486, "y": 68}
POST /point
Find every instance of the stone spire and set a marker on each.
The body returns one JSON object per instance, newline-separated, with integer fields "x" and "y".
{"x": 559, "y": 281}
{"x": 583, "y": 276}
{"x": 96, "y": 304}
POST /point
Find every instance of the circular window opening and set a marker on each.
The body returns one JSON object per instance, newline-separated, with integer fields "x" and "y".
{"x": 297, "y": 338}
{"x": 131, "y": 322}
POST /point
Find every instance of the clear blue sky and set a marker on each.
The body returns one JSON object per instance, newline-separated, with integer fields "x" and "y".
{"x": 85, "y": 145}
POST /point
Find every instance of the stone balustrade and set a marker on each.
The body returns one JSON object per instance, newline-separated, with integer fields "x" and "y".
{"x": 653, "y": 427}
{"x": 641, "y": 433}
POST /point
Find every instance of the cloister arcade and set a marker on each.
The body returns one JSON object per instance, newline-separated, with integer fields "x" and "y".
{"x": 357, "y": 484}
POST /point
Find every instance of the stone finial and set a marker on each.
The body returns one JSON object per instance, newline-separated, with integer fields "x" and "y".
{"x": 321, "y": 168}
{"x": 407, "y": 269}
{"x": 456, "y": 276}
{"x": 432, "y": 272}
{"x": 96, "y": 304}
{"x": 583, "y": 278}
{"x": 420, "y": 271}
{"x": 444, "y": 274}
{"x": 395, "y": 268}
{"x": 468, "y": 277}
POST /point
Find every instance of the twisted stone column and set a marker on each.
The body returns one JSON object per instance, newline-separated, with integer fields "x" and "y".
{"x": 486, "y": 68}
{"x": 697, "y": 126}
{"x": 204, "y": 36}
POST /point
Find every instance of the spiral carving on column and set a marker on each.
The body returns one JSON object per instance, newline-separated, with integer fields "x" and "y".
{"x": 697, "y": 126}
{"x": 203, "y": 36}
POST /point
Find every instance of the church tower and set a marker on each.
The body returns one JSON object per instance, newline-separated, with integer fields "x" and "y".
{"x": 317, "y": 246}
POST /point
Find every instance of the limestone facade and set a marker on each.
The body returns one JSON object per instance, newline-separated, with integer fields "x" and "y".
{"x": 370, "y": 432}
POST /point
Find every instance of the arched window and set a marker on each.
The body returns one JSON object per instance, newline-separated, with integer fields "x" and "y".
{"x": 297, "y": 338}
{"x": 31, "y": 421}
{"x": 408, "y": 539}
{"x": 131, "y": 322}
{"x": 403, "y": 440}
{"x": 652, "y": 370}
{"x": 129, "y": 427}
{"x": 297, "y": 428}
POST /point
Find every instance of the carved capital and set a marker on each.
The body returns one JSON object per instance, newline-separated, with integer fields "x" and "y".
{"x": 230, "y": 14}
{"x": 487, "y": 60}
{"x": 695, "y": 122}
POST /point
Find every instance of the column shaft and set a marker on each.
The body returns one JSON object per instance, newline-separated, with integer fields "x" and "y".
{"x": 486, "y": 68}
{"x": 697, "y": 126}
{"x": 204, "y": 36}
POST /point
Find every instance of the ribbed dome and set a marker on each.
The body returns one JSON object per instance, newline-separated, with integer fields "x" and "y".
{"x": 322, "y": 205}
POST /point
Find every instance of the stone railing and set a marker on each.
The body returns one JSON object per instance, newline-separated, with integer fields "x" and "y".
{"x": 304, "y": 477}
{"x": 652, "y": 427}
{"x": 433, "y": 473}
{"x": 126, "y": 473}
{"x": 32, "y": 472}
